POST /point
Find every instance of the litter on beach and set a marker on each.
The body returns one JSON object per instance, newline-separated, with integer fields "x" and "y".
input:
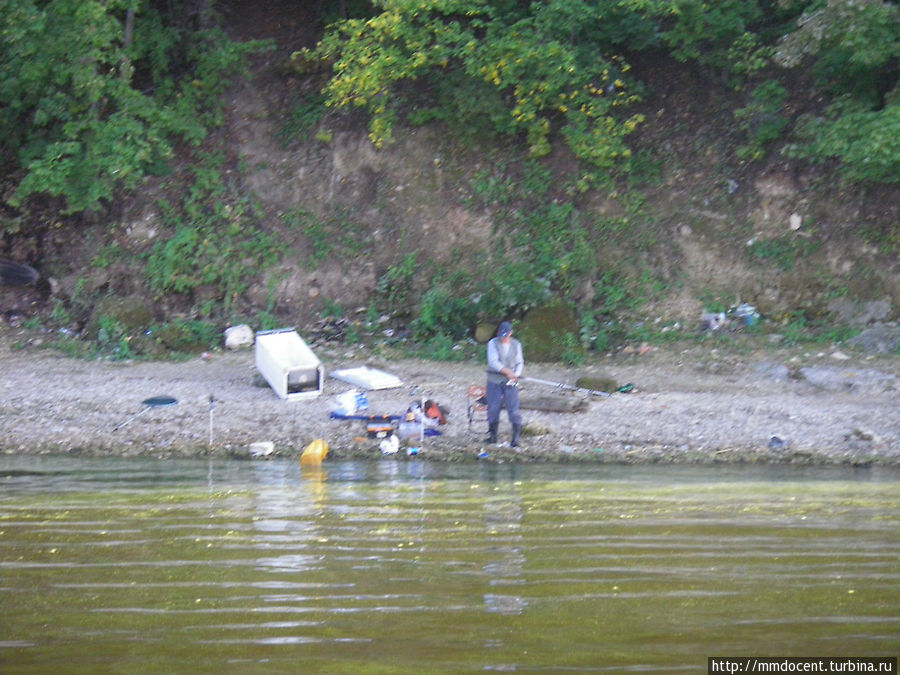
{"x": 288, "y": 364}
{"x": 149, "y": 404}
{"x": 314, "y": 453}
{"x": 367, "y": 378}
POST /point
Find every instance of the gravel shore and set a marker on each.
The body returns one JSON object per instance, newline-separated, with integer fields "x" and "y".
{"x": 700, "y": 404}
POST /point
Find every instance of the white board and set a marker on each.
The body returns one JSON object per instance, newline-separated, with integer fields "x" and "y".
{"x": 367, "y": 378}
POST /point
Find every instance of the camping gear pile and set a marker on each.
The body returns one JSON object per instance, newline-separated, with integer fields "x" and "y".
{"x": 420, "y": 419}
{"x": 294, "y": 372}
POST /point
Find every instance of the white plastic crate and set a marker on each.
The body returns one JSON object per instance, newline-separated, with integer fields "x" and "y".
{"x": 288, "y": 364}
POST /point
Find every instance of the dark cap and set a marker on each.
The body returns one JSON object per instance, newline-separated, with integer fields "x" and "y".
{"x": 505, "y": 329}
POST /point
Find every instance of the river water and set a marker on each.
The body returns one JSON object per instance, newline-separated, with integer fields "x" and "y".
{"x": 133, "y": 565}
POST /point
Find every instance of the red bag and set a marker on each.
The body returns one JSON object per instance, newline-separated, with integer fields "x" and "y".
{"x": 433, "y": 410}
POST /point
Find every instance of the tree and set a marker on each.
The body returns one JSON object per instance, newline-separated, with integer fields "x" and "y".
{"x": 706, "y": 31}
{"x": 526, "y": 67}
{"x": 855, "y": 49}
{"x": 94, "y": 93}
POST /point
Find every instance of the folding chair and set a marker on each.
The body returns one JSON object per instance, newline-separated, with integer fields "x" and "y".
{"x": 476, "y": 405}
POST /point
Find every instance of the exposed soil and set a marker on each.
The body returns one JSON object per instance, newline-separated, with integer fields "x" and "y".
{"x": 707, "y": 403}
{"x": 411, "y": 199}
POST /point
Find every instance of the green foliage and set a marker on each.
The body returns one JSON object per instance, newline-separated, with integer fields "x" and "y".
{"x": 747, "y": 56}
{"x": 113, "y": 340}
{"x": 618, "y": 292}
{"x": 762, "y": 120}
{"x": 867, "y": 142}
{"x": 590, "y": 333}
{"x": 884, "y": 236}
{"x": 783, "y": 252}
{"x": 107, "y": 255}
{"x": 395, "y": 289}
{"x": 531, "y": 67}
{"x": 550, "y": 252}
{"x": 798, "y": 328}
{"x": 83, "y": 114}
{"x": 187, "y": 335}
{"x": 60, "y": 314}
{"x": 442, "y": 348}
{"x": 443, "y": 311}
{"x": 331, "y": 309}
{"x": 713, "y": 33}
{"x": 512, "y": 287}
{"x": 303, "y": 118}
{"x": 337, "y": 235}
{"x": 470, "y": 107}
{"x": 352, "y": 335}
{"x": 453, "y": 303}
{"x": 838, "y": 333}
{"x": 795, "y": 330}
{"x": 546, "y": 251}
{"x": 320, "y": 240}
{"x": 572, "y": 353}
{"x": 490, "y": 189}
{"x": 855, "y": 47}
{"x": 215, "y": 242}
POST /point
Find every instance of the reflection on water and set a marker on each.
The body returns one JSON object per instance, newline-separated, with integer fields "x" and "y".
{"x": 174, "y": 566}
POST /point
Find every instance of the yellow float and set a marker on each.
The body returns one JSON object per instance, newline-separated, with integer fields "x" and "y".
{"x": 315, "y": 452}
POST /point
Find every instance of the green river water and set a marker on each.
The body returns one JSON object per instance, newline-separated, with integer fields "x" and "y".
{"x": 193, "y": 566}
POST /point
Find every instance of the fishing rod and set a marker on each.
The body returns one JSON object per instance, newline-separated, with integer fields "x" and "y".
{"x": 567, "y": 387}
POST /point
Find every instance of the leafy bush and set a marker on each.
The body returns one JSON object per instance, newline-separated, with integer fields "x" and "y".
{"x": 866, "y": 141}
{"x": 395, "y": 289}
{"x": 762, "y": 119}
{"x": 783, "y": 252}
{"x": 855, "y": 47}
{"x": 747, "y": 56}
{"x": 215, "y": 242}
{"x": 711, "y": 32}
{"x": 185, "y": 335}
{"x": 531, "y": 67}
{"x": 549, "y": 251}
{"x": 84, "y": 111}
{"x": 443, "y": 311}
{"x": 304, "y": 117}
{"x": 113, "y": 340}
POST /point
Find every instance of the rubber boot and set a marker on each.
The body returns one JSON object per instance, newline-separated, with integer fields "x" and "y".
{"x": 492, "y": 433}
{"x": 516, "y": 432}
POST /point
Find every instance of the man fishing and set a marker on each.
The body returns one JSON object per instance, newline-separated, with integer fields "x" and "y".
{"x": 505, "y": 363}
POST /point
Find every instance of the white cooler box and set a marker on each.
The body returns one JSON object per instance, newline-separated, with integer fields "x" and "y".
{"x": 288, "y": 364}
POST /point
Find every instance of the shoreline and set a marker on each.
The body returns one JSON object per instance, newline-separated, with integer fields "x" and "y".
{"x": 696, "y": 405}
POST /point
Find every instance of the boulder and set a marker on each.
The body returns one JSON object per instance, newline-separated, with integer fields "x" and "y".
{"x": 550, "y": 333}
{"x": 850, "y": 379}
{"x": 776, "y": 372}
{"x": 240, "y": 336}
{"x": 553, "y": 403}
{"x": 131, "y": 314}
{"x": 879, "y": 339}
{"x": 859, "y": 313}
